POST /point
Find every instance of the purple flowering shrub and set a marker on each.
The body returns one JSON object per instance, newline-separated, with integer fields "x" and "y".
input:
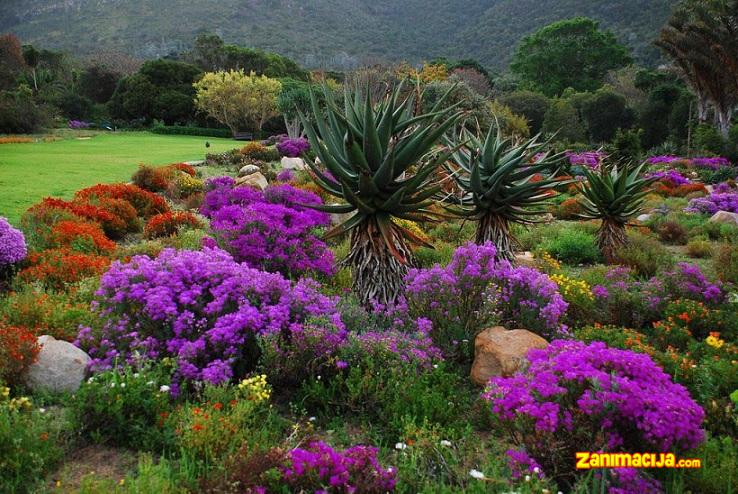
{"x": 273, "y": 230}
{"x": 712, "y": 163}
{"x": 592, "y": 159}
{"x": 575, "y": 394}
{"x": 293, "y": 148}
{"x": 475, "y": 290}
{"x": 12, "y": 244}
{"x": 672, "y": 177}
{"x": 717, "y": 201}
{"x": 78, "y": 124}
{"x": 321, "y": 469}
{"x": 201, "y": 308}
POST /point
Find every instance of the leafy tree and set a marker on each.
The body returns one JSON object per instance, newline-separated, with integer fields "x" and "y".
{"x": 12, "y": 63}
{"x": 236, "y": 99}
{"x": 604, "y": 112}
{"x": 472, "y": 78}
{"x": 98, "y": 83}
{"x": 571, "y": 53}
{"x": 533, "y": 106}
{"x": 19, "y": 113}
{"x": 293, "y": 99}
{"x": 32, "y": 58}
{"x": 563, "y": 119}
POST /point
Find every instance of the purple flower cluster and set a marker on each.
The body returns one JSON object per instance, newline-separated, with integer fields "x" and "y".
{"x": 632, "y": 481}
{"x": 673, "y": 177}
{"x": 273, "y": 230}
{"x": 717, "y": 201}
{"x": 201, "y": 308}
{"x": 410, "y": 348}
{"x": 12, "y": 244}
{"x": 293, "y": 148}
{"x": 688, "y": 281}
{"x": 78, "y": 124}
{"x": 713, "y": 163}
{"x": 618, "y": 399}
{"x": 592, "y": 159}
{"x": 285, "y": 176}
{"x": 321, "y": 469}
{"x": 476, "y": 289}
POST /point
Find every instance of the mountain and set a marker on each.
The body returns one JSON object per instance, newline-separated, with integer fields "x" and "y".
{"x": 325, "y": 33}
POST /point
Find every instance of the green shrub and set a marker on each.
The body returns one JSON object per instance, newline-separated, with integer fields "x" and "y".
{"x": 441, "y": 254}
{"x": 386, "y": 394}
{"x": 718, "y": 475}
{"x": 19, "y": 113}
{"x": 726, "y": 262}
{"x": 28, "y": 444}
{"x": 191, "y": 131}
{"x": 645, "y": 255}
{"x": 699, "y": 248}
{"x": 124, "y": 407}
{"x": 159, "y": 477}
{"x": 573, "y": 246}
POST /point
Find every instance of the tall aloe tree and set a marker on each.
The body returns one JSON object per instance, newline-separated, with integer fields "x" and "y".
{"x": 502, "y": 183}
{"x": 377, "y": 158}
{"x": 614, "y": 195}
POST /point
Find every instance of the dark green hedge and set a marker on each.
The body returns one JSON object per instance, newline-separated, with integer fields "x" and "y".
{"x": 191, "y": 131}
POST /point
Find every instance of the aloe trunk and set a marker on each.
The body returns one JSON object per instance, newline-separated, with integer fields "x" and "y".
{"x": 610, "y": 238}
{"x": 377, "y": 273}
{"x": 496, "y": 229}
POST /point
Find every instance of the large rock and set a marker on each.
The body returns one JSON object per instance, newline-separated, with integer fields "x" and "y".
{"x": 247, "y": 170}
{"x": 256, "y": 180}
{"x": 293, "y": 163}
{"x": 502, "y": 352}
{"x": 724, "y": 217}
{"x": 60, "y": 366}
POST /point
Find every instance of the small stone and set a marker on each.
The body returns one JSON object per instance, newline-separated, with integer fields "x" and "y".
{"x": 724, "y": 217}
{"x": 247, "y": 170}
{"x": 256, "y": 180}
{"x": 59, "y": 367}
{"x": 502, "y": 352}
{"x": 293, "y": 164}
{"x": 643, "y": 218}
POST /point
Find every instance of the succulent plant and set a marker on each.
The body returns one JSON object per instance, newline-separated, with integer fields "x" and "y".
{"x": 502, "y": 182}
{"x": 378, "y": 162}
{"x": 614, "y": 194}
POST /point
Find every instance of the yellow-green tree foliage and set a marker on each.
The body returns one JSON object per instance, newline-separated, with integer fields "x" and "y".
{"x": 236, "y": 99}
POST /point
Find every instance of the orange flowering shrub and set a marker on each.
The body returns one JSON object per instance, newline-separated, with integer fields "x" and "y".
{"x": 146, "y": 203}
{"x": 57, "y": 314}
{"x": 18, "y": 350}
{"x": 15, "y": 140}
{"x": 87, "y": 238}
{"x": 124, "y": 217}
{"x": 159, "y": 179}
{"x": 668, "y": 190}
{"x": 568, "y": 209}
{"x": 167, "y": 224}
{"x": 54, "y": 268}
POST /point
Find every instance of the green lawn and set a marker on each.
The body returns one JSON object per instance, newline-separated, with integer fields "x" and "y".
{"x": 30, "y": 172}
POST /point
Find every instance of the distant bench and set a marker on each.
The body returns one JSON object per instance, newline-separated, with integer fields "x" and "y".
{"x": 243, "y": 136}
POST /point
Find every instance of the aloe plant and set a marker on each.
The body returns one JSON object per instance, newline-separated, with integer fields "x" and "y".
{"x": 614, "y": 194}
{"x": 377, "y": 161}
{"x": 502, "y": 183}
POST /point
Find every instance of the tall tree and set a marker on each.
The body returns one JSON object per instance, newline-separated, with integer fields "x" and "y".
{"x": 702, "y": 39}
{"x": 12, "y": 63}
{"x": 572, "y": 53}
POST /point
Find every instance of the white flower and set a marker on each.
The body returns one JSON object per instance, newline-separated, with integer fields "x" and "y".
{"x": 435, "y": 366}
{"x": 164, "y": 388}
{"x": 400, "y": 446}
{"x": 135, "y": 375}
{"x": 536, "y": 470}
{"x": 311, "y": 419}
{"x": 122, "y": 385}
{"x": 150, "y": 383}
{"x": 42, "y": 410}
{"x": 91, "y": 380}
{"x": 476, "y": 474}
{"x": 389, "y": 470}
{"x": 446, "y": 443}
{"x": 527, "y": 478}
{"x": 112, "y": 385}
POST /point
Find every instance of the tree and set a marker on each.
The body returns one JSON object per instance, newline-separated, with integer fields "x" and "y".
{"x": 32, "y": 57}
{"x": 376, "y": 158}
{"x": 98, "y": 83}
{"x": 496, "y": 177}
{"x": 236, "y": 99}
{"x": 702, "y": 39}
{"x": 604, "y": 112}
{"x": 571, "y": 53}
{"x": 12, "y": 63}
{"x": 293, "y": 99}
{"x": 563, "y": 119}
{"x": 533, "y": 106}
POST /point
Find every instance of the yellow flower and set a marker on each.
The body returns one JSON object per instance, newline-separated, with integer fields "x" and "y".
{"x": 547, "y": 263}
{"x": 572, "y": 289}
{"x": 714, "y": 341}
{"x": 256, "y": 388}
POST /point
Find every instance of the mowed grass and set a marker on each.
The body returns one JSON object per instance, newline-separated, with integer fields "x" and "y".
{"x": 29, "y": 172}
